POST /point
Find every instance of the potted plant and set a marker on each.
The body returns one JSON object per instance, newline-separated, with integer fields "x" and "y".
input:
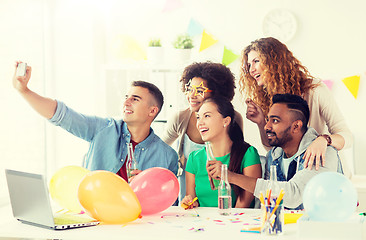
{"x": 155, "y": 42}
{"x": 155, "y": 51}
{"x": 183, "y": 45}
{"x": 183, "y": 41}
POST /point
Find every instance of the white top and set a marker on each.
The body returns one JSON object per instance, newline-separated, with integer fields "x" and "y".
{"x": 190, "y": 146}
{"x": 286, "y": 163}
{"x": 325, "y": 116}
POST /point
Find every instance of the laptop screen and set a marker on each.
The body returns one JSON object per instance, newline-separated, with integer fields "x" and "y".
{"x": 29, "y": 197}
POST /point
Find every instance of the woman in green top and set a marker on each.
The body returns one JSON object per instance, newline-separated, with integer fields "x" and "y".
{"x": 215, "y": 122}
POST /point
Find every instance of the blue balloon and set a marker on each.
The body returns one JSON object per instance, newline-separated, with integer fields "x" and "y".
{"x": 329, "y": 196}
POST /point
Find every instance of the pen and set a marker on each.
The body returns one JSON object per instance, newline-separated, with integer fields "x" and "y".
{"x": 261, "y": 198}
{"x": 194, "y": 199}
{"x": 196, "y": 212}
{"x": 250, "y": 231}
{"x": 185, "y": 206}
{"x": 269, "y": 196}
{"x": 279, "y": 199}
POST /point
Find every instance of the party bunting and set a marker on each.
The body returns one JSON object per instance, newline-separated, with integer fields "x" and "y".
{"x": 352, "y": 83}
{"x": 329, "y": 83}
{"x": 194, "y": 28}
{"x": 207, "y": 41}
{"x": 228, "y": 57}
{"x": 126, "y": 47}
{"x": 171, "y": 5}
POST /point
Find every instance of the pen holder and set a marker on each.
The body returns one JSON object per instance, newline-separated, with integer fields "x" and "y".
{"x": 272, "y": 219}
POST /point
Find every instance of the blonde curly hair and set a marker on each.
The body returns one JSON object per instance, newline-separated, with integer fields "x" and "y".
{"x": 283, "y": 73}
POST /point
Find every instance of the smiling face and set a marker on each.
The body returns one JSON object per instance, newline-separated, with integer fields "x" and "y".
{"x": 197, "y": 91}
{"x": 138, "y": 107}
{"x": 210, "y": 123}
{"x": 256, "y": 67}
{"x": 279, "y": 125}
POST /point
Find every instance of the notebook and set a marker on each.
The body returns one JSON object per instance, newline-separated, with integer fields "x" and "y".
{"x": 30, "y": 203}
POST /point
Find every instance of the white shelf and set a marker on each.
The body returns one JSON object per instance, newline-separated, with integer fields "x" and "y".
{"x": 117, "y": 78}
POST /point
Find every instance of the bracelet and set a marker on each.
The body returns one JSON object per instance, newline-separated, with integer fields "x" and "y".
{"x": 328, "y": 138}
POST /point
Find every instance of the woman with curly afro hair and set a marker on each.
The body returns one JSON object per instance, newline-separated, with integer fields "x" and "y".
{"x": 268, "y": 68}
{"x": 199, "y": 81}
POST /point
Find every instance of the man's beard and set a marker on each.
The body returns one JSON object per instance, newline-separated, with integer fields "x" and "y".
{"x": 280, "y": 142}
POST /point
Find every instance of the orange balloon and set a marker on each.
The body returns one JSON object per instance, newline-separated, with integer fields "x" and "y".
{"x": 106, "y": 197}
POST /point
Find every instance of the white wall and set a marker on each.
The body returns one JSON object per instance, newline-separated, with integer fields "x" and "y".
{"x": 22, "y": 141}
{"x": 68, "y": 42}
{"x": 329, "y": 41}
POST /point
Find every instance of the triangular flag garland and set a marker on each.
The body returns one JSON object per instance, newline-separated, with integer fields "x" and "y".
{"x": 207, "y": 41}
{"x": 228, "y": 57}
{"x": 352, "y": 83}
{"x": 194, "y": 28}
{"x": 127, "y": 47}
{"x": 328, "y": 83}
{"x": 171, "y": 5}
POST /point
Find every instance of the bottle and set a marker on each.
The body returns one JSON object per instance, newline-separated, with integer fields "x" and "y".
{"x": 214, "y": 183}
{"x": 273, "y": 187}
{"x": 224, "y": 193}
{"x": 131, "y": 164}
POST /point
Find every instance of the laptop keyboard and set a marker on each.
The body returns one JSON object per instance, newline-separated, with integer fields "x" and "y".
{"x": 67, "y": 219}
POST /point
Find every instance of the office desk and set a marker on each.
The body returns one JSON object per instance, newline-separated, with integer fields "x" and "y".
{"x": 173, "y": 223}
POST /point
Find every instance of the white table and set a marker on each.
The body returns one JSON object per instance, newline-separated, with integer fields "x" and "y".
{"x": 173, "y": 223}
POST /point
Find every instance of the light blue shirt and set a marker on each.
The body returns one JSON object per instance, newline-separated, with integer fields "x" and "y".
{"x": 108, "y": 140}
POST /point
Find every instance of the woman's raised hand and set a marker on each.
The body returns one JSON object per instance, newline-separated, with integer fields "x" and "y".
{"x": 254, "y": 113}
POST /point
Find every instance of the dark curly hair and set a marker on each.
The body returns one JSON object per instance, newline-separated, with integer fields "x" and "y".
{"x": 283, "y": 73}
{"x": 219, "y": 78}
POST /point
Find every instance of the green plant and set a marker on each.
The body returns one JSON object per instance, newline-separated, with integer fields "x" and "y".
{"x": 155, "y": 42}
{"x": 183, "y": 41}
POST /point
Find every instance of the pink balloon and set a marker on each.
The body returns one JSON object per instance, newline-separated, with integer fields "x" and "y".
{"x": 156, "y": 188}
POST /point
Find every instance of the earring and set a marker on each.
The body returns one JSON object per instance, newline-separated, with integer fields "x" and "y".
{"x": 224, "y": 125}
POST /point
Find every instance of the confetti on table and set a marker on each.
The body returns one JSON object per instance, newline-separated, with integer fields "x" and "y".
{"x": 251, "y": 230}
{"x": 172, "y": 215}
{"x": 180, "y": 215}
{"x": 196, "y": 230}
{"x": 235, "y": 214}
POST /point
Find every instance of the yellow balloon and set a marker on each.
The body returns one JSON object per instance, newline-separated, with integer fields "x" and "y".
{"x": 106, "y": 197}
{"x": 64, "y": 187}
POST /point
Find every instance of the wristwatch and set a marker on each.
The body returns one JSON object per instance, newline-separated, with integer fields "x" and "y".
{"x": 327, "y": 137}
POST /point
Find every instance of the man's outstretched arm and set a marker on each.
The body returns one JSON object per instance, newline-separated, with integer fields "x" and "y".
{"x": 46, "y": 107}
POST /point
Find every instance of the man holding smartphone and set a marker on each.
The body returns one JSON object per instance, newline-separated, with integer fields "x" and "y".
{"x": 108, "y": 137}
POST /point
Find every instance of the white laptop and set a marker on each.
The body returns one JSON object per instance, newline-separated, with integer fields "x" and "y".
{"x": 30, "y": 202}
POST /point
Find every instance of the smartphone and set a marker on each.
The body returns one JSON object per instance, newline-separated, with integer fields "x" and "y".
{"x": 21, "y": 69}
